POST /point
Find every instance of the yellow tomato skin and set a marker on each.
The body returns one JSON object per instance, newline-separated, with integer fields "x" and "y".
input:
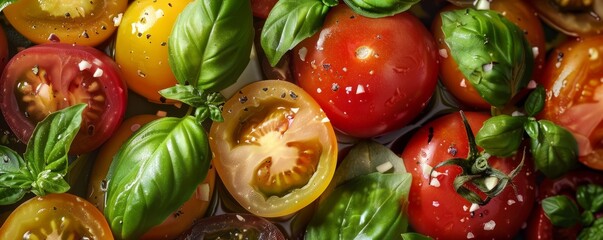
{"x": 141, "y": 49}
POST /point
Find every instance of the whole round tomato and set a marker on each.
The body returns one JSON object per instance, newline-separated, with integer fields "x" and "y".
{"x": 75, "y": 22}
{"x": 276, "y": 151}
{"x": 56, "y": 216}
{"x": 370, "y": 75}
{"x": 49, "y": 77}
{"x": 520, "y": 13}
{"x": 261, "y": 8}
{"x": 141, "y": 49}
{"x": 574, "y": 94}
{"x": 437, "y": 210}
{"x": 175, "y": 224}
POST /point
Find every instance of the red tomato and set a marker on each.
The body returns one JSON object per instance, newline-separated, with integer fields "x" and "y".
{"x": 3, "y": 49}
{"x": 574, "y": 94}
{"x": 437, "y": 210}
{"x": 518, "y": 12}
{"x": 234, "y": 226}
{"x": 261, "y": 8}
{"x": 369, "y": 75}
{"x": 49, "y": 77}
{"x": 540, "y": 227}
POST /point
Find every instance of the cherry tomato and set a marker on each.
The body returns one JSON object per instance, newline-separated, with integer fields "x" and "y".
{"x": 276, "y": 150}
{"x": 574, "y": 90}
{"x": 141, "y": 49}
{"x": 49, "y": 77}
{"x": 234, "y": 226}
{"x": 261, "y": 8}
{"x": 518, "y": 12}
{"x": 540, "y": 227}
{"x": 437, "y": 210}
{"x": 179, "y": 221}
{"x": 370, "y": 75}
{"x": 81, "y": 22}
{"x": 56, "y": 216}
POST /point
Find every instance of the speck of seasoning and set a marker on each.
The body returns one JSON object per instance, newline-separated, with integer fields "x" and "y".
{"x": 162, "y": 99}
{"x": 452, "y": 150}
{"x": 489, "y": 226}
{"x": 85, "y": 34}
{"x": 560, "y": 56}
{"x": 265, "y": 89}
{"x": 53, "y": 38}
{"x": 35, "y": 70}
{"x": 141, "y": 74}
{"x": 283, "y": 95}
{"x": 170, "y": 4}
{"x": 148, "y": 35}
{"x": 470, "y": 235}
{"x": 245, "y": 109}
{"x": 163, "y": 44}
{"x": 293, "y": 95}
{"x": 243, "y": 99}
{"x": 334, "y": 87}
{"x": 326, "y": 66}
{"x": 67, "y": 15}
{"x": 352, "y": 17}
{"x": 103, "y": 27}
{"x": 139, "y": 34}
{"x": 430, "y": 135}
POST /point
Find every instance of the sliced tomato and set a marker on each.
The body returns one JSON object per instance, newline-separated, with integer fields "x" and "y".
{"x": 276, "y": 150}
{"x": 56, "y": 216}
{"x": 80, "y": 22}
{"x": 234, "y": 226}
{"x": 49, "y": 77}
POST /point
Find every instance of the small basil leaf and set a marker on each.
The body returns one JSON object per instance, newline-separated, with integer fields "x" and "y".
{"x": 11, "y": 195}
{"x": 501, "y": 135}
{"x": 590, "y": 197}
{"x": 380, "y": 8}
{"x": 561, "y": 211}
{"x": 51, "y": 139}
{"x": 414, "y": 236}
{"x": 184, "y": 93}
{"x": 289, "y": 23}
{"x": 368, "y": 206}
{"x": 491, "y": 52}
{"x": 535, "y": 102}
{"x": 593, "y": 232}
{"x": 532, "y": 128}
{"x": 210, "y": 43}
{"x": 51, "y": 182}
{"x": 154, "y": 173}
{"x": 215, "y": 114}
{"x": 555, "y": 150}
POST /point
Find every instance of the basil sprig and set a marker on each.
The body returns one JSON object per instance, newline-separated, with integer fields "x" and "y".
{"x": 45, "y": 162}
{"x": 563, "y": 212}
{"x": 380, "y": 8}
{"x": 491, "y": 52}
{"x": 207, "y": 104}
{"x": 210, "y": 43}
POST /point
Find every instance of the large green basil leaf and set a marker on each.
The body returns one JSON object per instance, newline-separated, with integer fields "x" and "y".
{"x": 210, "y": 43}
{"x": 289, "y": 23}
{"x": 501, "y": 135}
{"x": 369, "y": 206}
{"x": 554, "y": 148}
{"x": 379, "y": 8}
{"x": 154, "y": 173}
{"x": 491, "y": 52}
{"x": 14, "y": 177}
{"x": 561, "y": 210}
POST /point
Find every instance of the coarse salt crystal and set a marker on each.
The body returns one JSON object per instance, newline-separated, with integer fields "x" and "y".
{"x": 434, "y": 182}
{"x": 98, "y": 73}
{"x": 384, "y": 167}
{"x": 489, "y": 226}
{"x": 83, "y": 65}
{"x": 473, "y": 207}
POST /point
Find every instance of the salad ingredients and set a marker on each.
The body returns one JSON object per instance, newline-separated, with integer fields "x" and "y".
{"x": 234, "y": 226}
{"x": 74, "y": 22}
{"x": 355, "y": 70}
{"x": 56, "y": 216}
{"x": 276, "y": 150}
{"x": 141, "y": 49}
{"x": 154, "y": 173}
{"x": 210, "y": 43}
{"x": 48, "y": 77}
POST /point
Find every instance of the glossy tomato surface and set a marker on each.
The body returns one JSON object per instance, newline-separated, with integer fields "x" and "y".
{"x": 574, "y": 94}
{"x": 82, "y": 22}
{"x": 49, "y": 77}
{"x": 437, "y": 210}
{"x": 141, "y": 49}
{"x": 518, "y": 12}
{"x": 370, "y": 76}
{"x": 56, "y": 216}
{"x": 276, "y": 150}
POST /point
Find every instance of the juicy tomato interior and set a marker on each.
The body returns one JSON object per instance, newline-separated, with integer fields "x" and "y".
{"x": 276, "y": 150}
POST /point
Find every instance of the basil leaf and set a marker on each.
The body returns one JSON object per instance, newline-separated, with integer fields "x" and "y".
{"x": 535, "y": 102}
{"x": 51, "y": 139}
{"x": 590, "y": 197}
{"x": 184, "y": 93}
{"x": 532, "y": 128}
{"x": 5, "y": 3}
{"x": 561, "y": 211}
{"x": 368, "y": 206}
{"x": 501, "y": 135}
{"x": 491, "y": 52}
{"x": 50, "y": 182}
{"x": 289, "y": 23}
{"x": 14, "y": 182}
{"x": 414, "y": 236}
{"x": 555, "y": 150}
{"x": 593, "y": 232}
{"x": 210, "y": 43}
{"x": 380, "y": 8}
{"x": 154, "y": 173}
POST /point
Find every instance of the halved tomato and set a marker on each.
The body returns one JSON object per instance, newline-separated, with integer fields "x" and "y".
{"x": 81, "y": 22}
{"x": 276, "y": 150}
{"x": 49, "y": 77}
{"x": 56, "y": 216}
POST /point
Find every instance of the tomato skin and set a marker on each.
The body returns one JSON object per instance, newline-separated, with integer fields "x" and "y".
{"x": 71, "y": 213}
{"x": 261, "y": 8}
{"x": 234, "y": 226}
{"x": 574, "y": 91}
{"x": 539, "y": 226}
{"x": 355, "y": 69}
{"x": 437, "y": 210}
{"x": 48, "y": 21}
{"x": 59, "y": 84}
{"x": 520, "y": 13}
